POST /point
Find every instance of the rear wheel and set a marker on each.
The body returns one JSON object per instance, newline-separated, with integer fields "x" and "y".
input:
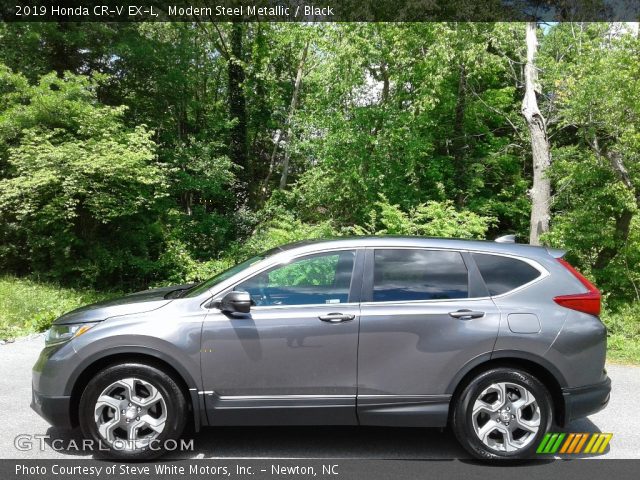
{"x": 131, "y": 410}
{"x": 502, "y": 414}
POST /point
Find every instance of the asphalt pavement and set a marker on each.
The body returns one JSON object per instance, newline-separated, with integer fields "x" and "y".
{"x": 621, "y": 417}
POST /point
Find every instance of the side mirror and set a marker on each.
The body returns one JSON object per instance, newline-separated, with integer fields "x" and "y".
{"x": 236, "y": 301}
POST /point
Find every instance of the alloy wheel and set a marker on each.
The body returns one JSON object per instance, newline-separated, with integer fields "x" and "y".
{"x": 506, "y": 417}
{"x": 130, "y": 413}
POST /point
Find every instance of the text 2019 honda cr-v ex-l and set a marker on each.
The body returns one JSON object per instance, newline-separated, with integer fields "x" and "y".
{"x": 498, "y": 340}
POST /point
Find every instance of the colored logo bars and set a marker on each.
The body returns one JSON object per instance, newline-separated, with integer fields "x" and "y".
{"x": 563, "y": 443}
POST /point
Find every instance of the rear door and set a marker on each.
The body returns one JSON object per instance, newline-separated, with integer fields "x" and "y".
{"x": 425, "y": 313}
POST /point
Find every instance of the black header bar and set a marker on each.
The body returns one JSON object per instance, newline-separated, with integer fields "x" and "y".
{"x": 320, "y": 10}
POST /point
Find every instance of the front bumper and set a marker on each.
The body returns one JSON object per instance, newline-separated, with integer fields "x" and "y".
{"x": 54, "y": 409}
{"x": 582, "y": 401}
{"x": 50, "y": 395}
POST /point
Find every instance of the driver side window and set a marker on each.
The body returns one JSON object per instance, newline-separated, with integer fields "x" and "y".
{"x": 322, "y": 278}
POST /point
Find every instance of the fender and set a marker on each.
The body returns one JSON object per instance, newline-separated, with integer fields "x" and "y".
{"x": 505, "y": 354}
{"x": 197, "y": 400}
{"x": 541, "y": 361}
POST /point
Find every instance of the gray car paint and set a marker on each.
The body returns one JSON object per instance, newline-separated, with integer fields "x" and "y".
{"x": 393, "y": 363}
{"x": 138, "y": 302}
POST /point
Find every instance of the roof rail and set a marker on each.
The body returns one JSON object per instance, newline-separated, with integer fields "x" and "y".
{"x": 506, "y": 239}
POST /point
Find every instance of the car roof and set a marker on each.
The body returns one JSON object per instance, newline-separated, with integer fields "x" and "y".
{"x": 488, "y": 246}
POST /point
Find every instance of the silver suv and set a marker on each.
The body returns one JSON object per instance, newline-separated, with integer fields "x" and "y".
{"x": 497, "y": 340}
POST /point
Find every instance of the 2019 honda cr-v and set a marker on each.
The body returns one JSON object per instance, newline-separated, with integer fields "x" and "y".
{"x": 497, "y": 340}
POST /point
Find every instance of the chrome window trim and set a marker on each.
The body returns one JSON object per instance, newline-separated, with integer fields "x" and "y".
{"x": 315, "y": 305}
{"x": 544, "y": 273}
{"x": 422, "y": 302}
{"x": 283, "y": 261}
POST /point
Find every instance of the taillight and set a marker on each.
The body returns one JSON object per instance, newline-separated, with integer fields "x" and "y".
{"x": 588, "y": 302}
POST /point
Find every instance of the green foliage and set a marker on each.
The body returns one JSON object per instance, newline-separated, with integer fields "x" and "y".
{"x": 588, "y": 199}
{"x": 118, "y": 169}
{"x": 312, "y": 271}
{"x": 79, "y": 183}
{"x": 388, "y": 123}
{"x": 623, "y": 325}
{"x": 593, "y": 78}
{"x": 376, "y": 115}
{"x": 278, "y": 228}
{"x": 29, "y": 306}
{"x": 433, "y": 219}
{"x": 117, "y": 161}
{"x": 178, "y": 265}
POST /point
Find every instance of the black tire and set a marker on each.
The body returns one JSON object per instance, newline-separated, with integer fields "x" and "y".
{"x": 462, "y": 422}
{"x": 176, "y": 409}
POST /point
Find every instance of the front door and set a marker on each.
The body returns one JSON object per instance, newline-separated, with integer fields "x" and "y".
{"x": 293, "y": 359}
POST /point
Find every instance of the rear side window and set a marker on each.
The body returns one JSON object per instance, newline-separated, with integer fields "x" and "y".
{"x": 503, "y": 274}
{"x": 404, "y": 274}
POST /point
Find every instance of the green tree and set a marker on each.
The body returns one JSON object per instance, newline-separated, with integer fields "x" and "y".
{"x": 593, "y": 81}
{"x": 79, "y": 185}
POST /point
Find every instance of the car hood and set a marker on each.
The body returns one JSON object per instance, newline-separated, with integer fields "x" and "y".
{"x": 134, "y": 303}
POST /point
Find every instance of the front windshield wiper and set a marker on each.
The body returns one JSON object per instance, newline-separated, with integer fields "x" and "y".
{"x": 184, "y": 291}
{"x": 180, "y": 291}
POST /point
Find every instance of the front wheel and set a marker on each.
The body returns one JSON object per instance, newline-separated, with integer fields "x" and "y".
{"x": 131, "y": 410}
{"x": 502, "y": 413}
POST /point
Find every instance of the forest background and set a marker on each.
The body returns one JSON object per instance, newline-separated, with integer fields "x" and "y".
{"x": 144, "y": 154}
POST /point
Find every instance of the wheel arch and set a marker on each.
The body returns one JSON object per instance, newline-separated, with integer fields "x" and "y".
{"x": 540, "y": 368}
{"x": 91, "y": 366}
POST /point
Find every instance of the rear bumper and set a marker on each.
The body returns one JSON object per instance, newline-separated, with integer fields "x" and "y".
{"x": 55, "y": 410}
{"x": 582, "y": 401}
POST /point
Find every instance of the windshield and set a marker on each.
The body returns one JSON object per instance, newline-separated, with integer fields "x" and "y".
{"x": 207, "y": 284}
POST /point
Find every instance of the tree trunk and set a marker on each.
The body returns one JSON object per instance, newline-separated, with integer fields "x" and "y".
{"x": 623, "y": 226}
{"x": 292, "y": 109}
{"x": 460, "y": 138}
{"x": 64, "y": 54}
{"x": 625, "y": 217}
{"x": 272, "y": 164}
{"x": 541, "y": 191}
{"x": 238, "y": 150}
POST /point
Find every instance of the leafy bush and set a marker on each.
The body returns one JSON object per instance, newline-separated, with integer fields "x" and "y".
{"x": 280, "y": 228}
{"x": 623, "y": 327}
{"x": 78, "y": 185}
{"x": 433, "y": 219}
{"x": 178, "y": 265}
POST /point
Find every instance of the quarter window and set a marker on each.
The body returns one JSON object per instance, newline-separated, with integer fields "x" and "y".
{"x": 503, "y": 274}
{"x": 405, "y": 274}
{"x": 315, "y": 279}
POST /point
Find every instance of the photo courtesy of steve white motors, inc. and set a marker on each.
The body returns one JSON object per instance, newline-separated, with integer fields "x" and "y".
{"x": 164, "y": 469}
{"x": 319, "y": 239}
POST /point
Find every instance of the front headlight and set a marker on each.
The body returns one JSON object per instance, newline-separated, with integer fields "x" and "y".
{"x": 64, "y": 333}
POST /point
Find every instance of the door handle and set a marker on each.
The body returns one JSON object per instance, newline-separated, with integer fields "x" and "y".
{"x": 336, "y": 317}
{"x": 466, "y": 314}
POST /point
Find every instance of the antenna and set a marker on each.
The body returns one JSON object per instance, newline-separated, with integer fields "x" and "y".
{"x": 506, "y": 239}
